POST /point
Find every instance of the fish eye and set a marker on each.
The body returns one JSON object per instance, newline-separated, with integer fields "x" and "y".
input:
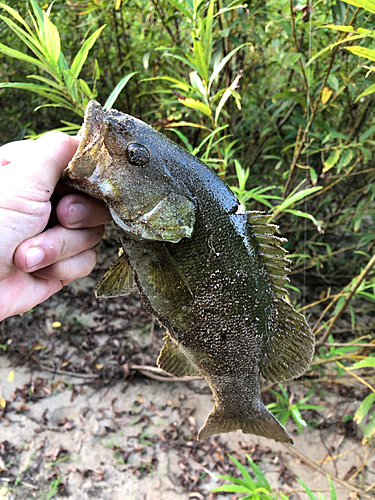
{"x": 137, "y": 154}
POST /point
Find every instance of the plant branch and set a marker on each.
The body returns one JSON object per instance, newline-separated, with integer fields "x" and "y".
{"x": 336, "y": 479}
{"x": 349, "y": 297}
{"x": 314, "y": 109}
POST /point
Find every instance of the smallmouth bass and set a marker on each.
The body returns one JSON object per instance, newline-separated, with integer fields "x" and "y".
{"x": 210, "y": 272}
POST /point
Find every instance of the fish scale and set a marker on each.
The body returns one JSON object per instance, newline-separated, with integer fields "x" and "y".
{"x": 212, "y": 274}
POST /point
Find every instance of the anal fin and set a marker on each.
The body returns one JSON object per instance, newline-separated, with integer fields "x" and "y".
{"x": 172, "y": 360}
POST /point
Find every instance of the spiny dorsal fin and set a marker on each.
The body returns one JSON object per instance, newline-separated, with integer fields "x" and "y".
{"x": 272, "y": 252}
{"x": 288, "y": 347}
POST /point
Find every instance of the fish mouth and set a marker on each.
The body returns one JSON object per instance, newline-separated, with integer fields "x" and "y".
{"x": 91, "y": 152}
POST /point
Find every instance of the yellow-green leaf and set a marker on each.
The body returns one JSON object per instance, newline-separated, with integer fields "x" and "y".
{"x": 331, "y": 160}
{"x": 195, "y": 104}
{"x": 362, "y": 52}
{"x": 365, "y": 4}
{"x": 11, "y": 376}
{"x": 364, "y": 363}
{"x": 364, "y": 407}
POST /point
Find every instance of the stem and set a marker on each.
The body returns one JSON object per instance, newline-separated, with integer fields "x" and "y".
{"x": 315, "y": 466}
{"x": 314, "y": 108}
{"x": 293, "y": 14}
{"x": 351, "y": 294}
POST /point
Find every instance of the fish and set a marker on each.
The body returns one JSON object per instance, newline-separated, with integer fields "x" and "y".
{"x": 211, "y": 273}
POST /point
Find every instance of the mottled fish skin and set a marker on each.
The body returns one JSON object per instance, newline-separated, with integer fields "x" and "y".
{"x": 198, "y": 265}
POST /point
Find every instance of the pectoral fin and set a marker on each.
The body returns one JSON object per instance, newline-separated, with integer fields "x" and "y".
{"x": 169, "y": 281}
{"x": 170, "y": 220}
{"x": 117, "y": 281}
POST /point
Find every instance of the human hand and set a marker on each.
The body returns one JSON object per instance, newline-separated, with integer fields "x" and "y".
{"x": 35, "y": 264}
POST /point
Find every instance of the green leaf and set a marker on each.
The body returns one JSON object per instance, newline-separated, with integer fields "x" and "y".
{"x": 29, "y": 40}
{"x": 48, "y": 81}
{"x": 227, "y": 93}
{"x": 23, "y": 57}
{"x": 81, "y": 56}
{"x": 232, "y": 488}
{"x": 331, "y": 160}
{"x": 15, "y": 14}
{"x": 367, "y": 134}
{"x": 345, "y": 159}
{"x": 184, "y": 139}
{"x": 223, "y": 62}
{"x": 306, "y": 215}
{"x": 181, "y": 7}
{"x": 199, "y": 59}
{"x": 310, "y": 494}
{"x": 364, "y": 363}
{"x": 260, "y": 477}
{"x": 367, "y": 295}
{"x": 116, "y": 91}
{"x": 332, "y": 487}
{"x": 293, "y": 198}
{"x": 40, "y": 89}
{"x": 208, "y": 33}
{"x": 185, "y": 60}
{"x": 52, "y": 39}
{"x": 337, "y": 27}
{"x": 197, "y": 83}
{"x": 365, "y": 4}
{"x": 364, "y": 408}
{"x": 368, "y": 91}
{"x": 296, "y": 414}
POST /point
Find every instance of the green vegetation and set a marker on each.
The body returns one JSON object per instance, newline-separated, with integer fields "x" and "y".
{"x": 276, "y": 96}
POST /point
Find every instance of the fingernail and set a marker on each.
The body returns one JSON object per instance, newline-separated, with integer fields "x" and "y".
{"x": 77, "y": 213}
{"x": 34, "y": 256}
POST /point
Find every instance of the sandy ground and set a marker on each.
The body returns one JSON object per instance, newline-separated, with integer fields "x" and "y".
{"x": 137, "y": 441}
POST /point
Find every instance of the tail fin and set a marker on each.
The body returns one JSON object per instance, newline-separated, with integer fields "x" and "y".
{"x": 259, "y": 421}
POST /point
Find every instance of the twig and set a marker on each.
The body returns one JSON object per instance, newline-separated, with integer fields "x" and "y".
{"x": 347, "y": 344}
{"x": 351, "y": 294}
{"x": 65, "y": 372}
{"x": 158, "y": 374}
{"x": 315, "y": 466}
{"x": 28, "y": 485}
{"x": 314, "y": 109}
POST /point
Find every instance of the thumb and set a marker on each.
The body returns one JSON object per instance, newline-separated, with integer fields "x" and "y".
{"x": 32, "y": 168}
{"x": 52, "y": 153}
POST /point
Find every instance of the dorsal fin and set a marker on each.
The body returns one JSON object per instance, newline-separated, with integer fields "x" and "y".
{"x": 273, "y": 254}
{"x": 289, "y": 347}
